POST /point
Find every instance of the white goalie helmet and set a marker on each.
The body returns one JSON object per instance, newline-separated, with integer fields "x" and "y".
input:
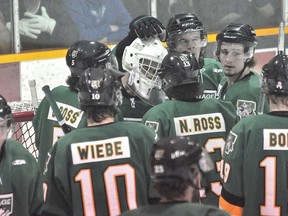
{"x": 142, "y": 59}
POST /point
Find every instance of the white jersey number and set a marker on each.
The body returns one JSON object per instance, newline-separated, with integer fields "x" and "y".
{"x": 84, "y": 177}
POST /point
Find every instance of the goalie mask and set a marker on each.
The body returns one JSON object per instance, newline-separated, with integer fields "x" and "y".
{"x": 142, "y": 59}
{"x": 179, "y": 69}
{"x": 6, "y": 120}
{"x": 87, "y": 54}
{"x": 99, "y": 87}
{"x": 173, "y": 157}
{"x": 275, "y": 75}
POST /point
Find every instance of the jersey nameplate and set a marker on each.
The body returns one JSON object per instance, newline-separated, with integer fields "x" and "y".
{"x": 103, "y": 150}
{"x": 275, "y": 139}
{"x": 199, "y": 124}
{"x": 71, "y": 115}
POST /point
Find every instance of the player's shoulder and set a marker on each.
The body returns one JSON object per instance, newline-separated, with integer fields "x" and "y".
{"x": 18, "y": 154}
{"x": 61, "y": 92}
{"x": 253, "y": 120}
{"x": 253, "y": 79}
{"x": 162, "y": 107}
{"x": 169, "y": 104}
{"x": 198, "y": 209}
{"x": 133, "y": 126}
{"x": 219, "y": 102}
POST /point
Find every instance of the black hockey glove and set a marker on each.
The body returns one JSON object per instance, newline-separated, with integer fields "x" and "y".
{"x": 147, "y": 26}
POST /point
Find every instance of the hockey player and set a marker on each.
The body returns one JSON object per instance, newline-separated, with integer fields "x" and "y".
{"x": 177, "y": 166}
{"x": 141, "y": 90}
{"x": 102, "y": 169}
{"x": 235, "y": 50}
{"x": 140, "y": 93}
{"x": 254, "y": 169}
{"x": 80, "y": 56}
{"x": 187, "y": 33}
{"x": 21, "y": 183}
{"x": 188, "y": 114}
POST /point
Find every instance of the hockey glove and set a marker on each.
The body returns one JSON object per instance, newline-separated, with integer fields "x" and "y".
{"x": 147, "y": 26}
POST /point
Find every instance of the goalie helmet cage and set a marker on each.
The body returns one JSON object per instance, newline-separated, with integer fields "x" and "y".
{"x": 23, "y": 113}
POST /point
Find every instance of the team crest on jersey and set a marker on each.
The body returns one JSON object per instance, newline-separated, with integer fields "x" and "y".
{"x": 245, "y": 108}
{"x": 229, "y": 145}
{"x": 152, "y": 124}
{"x": 6, "y": 204}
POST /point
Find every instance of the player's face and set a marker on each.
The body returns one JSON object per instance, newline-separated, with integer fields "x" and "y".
{"x": 232, "y": 58}
{"x": 189, "y": 41}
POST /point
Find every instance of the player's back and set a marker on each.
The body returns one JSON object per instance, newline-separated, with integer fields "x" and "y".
{"x": 263, "y": 163}
{"x": 46, "y": 127}
{"x": 208, "y": 121}
{"x": 103, "y": 169}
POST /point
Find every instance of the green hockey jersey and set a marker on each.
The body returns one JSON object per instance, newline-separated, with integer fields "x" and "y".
{"x": 206, "y": 121}
{"x": 100, "y": 170}
{"x": 47, "y": 129}
{"x": 244, "y": 95}
{"x": 21, "y": 182}
{"x": 254, "y": 171}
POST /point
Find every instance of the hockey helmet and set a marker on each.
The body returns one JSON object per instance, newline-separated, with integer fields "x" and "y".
{"x": 142, "y": 59}
{"x": 172, "y": 157}
{"x": 237, "y": 33}
{"x": 275, "y": 75}
{"x": 86, "y": 54}
{"x": 179, "y": 69}
{"x": 99, "y": 87}
{"x": 182, "y": 23}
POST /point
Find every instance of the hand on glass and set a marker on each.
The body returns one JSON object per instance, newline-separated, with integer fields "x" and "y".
{"x": 41, "y": 22}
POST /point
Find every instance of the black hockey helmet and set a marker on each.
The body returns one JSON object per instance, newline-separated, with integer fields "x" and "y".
{"x": 179, "y": 69}
{"x": 5, "y": 111}
{"x": 237, "y": 33}
{"x": 275, "y": 75}
{"x": 85, "y": 54}
{"x": 99, "y": 86}
{"x": 172, "y": 157}
{"x": 181, "y": 23}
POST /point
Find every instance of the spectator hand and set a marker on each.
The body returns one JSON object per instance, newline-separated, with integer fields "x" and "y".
{"x": 42, "y": 22}
{"x": 27, "y": 28}
{"x": 148, "y": 26}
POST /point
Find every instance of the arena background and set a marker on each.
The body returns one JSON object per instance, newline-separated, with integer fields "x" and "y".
{"x": 48, "y": 67}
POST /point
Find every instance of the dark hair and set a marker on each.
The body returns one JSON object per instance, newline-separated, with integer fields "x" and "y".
{"x": 99, "y": 113}
{"x": 171, "y": 188}
{"x": 186, "y": 92}
{"x": 278, "y": 98}
{"x": 72, "y": 82}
